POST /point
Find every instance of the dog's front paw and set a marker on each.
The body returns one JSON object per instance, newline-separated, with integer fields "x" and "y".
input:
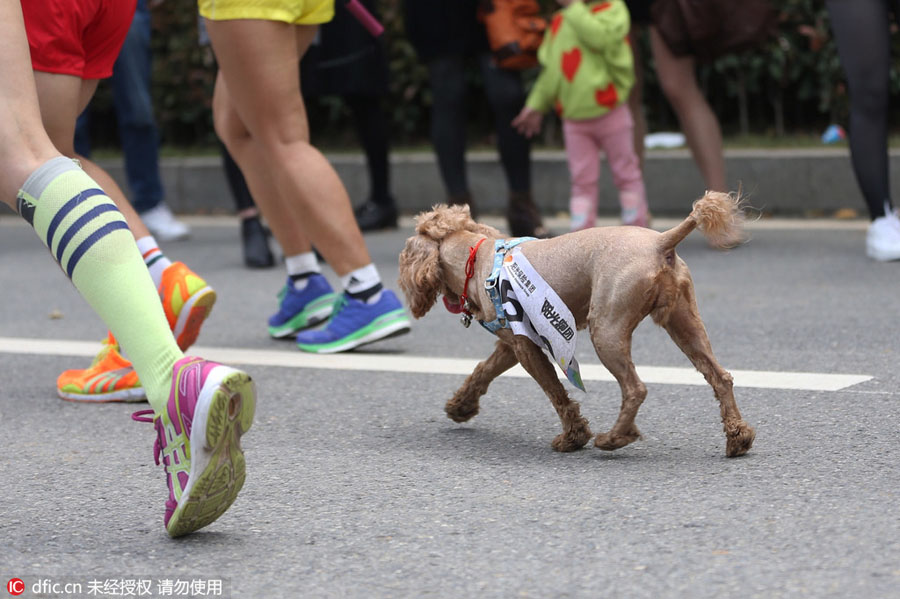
{"x": 739, "y": 439}
{"x": 574, "y": 438}
{"x": 461, "y": 411}
{"x": 610, "y": 442}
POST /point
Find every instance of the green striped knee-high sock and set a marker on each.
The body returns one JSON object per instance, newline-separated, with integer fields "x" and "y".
{"x": 89, "y": 238}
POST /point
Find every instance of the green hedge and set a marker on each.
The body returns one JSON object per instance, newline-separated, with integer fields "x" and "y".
{"x": 792, "y": 85}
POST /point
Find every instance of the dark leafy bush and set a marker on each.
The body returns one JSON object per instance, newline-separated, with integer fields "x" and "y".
{"x": 793, "y": 84}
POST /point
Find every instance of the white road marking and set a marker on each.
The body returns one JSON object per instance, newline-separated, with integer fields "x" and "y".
{"x": 804, "y": 381}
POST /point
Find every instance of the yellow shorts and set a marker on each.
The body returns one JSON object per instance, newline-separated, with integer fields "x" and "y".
{"x": 294, "y": 12}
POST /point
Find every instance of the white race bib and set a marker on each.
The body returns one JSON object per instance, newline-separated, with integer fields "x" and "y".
{"x": 535, "y": 310}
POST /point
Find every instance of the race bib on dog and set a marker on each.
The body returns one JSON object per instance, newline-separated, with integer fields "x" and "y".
{"x": 535, "y": 310}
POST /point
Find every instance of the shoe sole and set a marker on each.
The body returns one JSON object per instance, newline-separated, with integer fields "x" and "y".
{"x": 190, "y": 319}
{"x": 133, "y": 395}
{"x": 223, "y": 413}
{"x": 882, "y": 256}
{"x": 318, "y": 312}
{"x": 394, "y": 328}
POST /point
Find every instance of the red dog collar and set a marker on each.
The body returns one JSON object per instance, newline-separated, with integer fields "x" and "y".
{"x": 470, "y": 270}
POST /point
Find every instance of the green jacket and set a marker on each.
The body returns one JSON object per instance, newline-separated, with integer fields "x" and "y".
{"x": 588, "y": 68}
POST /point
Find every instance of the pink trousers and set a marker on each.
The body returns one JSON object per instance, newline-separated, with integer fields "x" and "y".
{"x": 612, "y": 134}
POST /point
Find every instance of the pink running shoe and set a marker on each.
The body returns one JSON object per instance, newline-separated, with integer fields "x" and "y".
{"x": 210, "y": 407}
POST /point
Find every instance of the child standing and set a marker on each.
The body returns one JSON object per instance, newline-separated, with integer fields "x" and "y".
{"x": 587, "y": 74}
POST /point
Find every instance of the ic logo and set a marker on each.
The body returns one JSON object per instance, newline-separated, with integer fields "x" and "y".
{"x": 15, "y": 586}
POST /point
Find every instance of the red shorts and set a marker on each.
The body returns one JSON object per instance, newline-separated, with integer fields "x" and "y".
{"x": 77, "y": 37}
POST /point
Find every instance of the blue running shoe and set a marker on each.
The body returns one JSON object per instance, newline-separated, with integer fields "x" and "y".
{"x": 299, "y": 310}
{"x": 356, "y": 323}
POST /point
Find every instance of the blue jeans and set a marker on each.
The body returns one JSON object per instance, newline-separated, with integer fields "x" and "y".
{"x": 134, "y": 114}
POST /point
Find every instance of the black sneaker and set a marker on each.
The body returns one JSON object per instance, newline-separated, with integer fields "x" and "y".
{"x": 524, "y": 217}
{"x": 255, "y": 241}
{"x": 373, "y": 217}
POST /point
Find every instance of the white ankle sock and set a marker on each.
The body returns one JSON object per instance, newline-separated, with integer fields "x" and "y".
{"x": 155, "y": 260}
{"x": 300, "y": 266}
{"x": 360, "y": 281}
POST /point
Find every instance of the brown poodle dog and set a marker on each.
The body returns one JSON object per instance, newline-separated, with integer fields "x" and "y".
{"x": 610, "y": 278}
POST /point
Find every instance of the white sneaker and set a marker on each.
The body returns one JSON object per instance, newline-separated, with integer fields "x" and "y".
{"x": 883, "y": 238}
{"x": 163, "y": 225}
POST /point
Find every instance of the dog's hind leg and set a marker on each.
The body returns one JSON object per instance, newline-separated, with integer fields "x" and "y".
{"x": 612, "y": 342}
{"x": 464, "y": 404}
{"x": 576, "y": 432}
{"x": 686, "y": 329}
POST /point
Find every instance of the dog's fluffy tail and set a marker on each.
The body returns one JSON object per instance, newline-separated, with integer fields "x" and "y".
{"x": 718, "y": 215}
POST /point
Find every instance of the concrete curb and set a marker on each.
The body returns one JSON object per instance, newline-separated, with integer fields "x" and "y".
{"x": 779, "y": 182}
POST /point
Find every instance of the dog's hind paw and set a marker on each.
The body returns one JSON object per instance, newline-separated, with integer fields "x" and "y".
{"x": 461, "y": 412}
{"x": 572, "y": 440}
{"x": 610, "y": 442}
{"x": 739, "y": 439}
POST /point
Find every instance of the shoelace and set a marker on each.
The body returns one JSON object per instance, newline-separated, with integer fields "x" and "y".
{"x": 339, "y": 304}
{"x": 892, "y": 216}
{"x": 141, "y": 416}
{"x": 109, "y": 344}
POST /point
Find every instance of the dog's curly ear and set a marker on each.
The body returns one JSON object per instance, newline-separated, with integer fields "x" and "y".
{"x": 420, "y": 273}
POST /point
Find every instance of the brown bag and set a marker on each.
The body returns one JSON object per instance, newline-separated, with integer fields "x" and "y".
{"x": 515, "y": 29}
{"x": 708, "y": 29}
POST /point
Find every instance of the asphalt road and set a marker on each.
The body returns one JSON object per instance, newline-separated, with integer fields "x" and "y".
{"x": 359, "y": 486}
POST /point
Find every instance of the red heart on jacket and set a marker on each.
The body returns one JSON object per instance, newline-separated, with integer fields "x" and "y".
{"x": 600, "y": 7}
{"x": 608, "y": 97}
{"x": 571, "y": 60}
{"x": 555, "y": 23}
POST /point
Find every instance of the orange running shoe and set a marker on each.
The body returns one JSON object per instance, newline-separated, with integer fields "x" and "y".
{"x": 187, "y": 300}
{"x": 109, "y": 379}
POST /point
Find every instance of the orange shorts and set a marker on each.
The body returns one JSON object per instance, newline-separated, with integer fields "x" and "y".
{"x": 77, "y": 37}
